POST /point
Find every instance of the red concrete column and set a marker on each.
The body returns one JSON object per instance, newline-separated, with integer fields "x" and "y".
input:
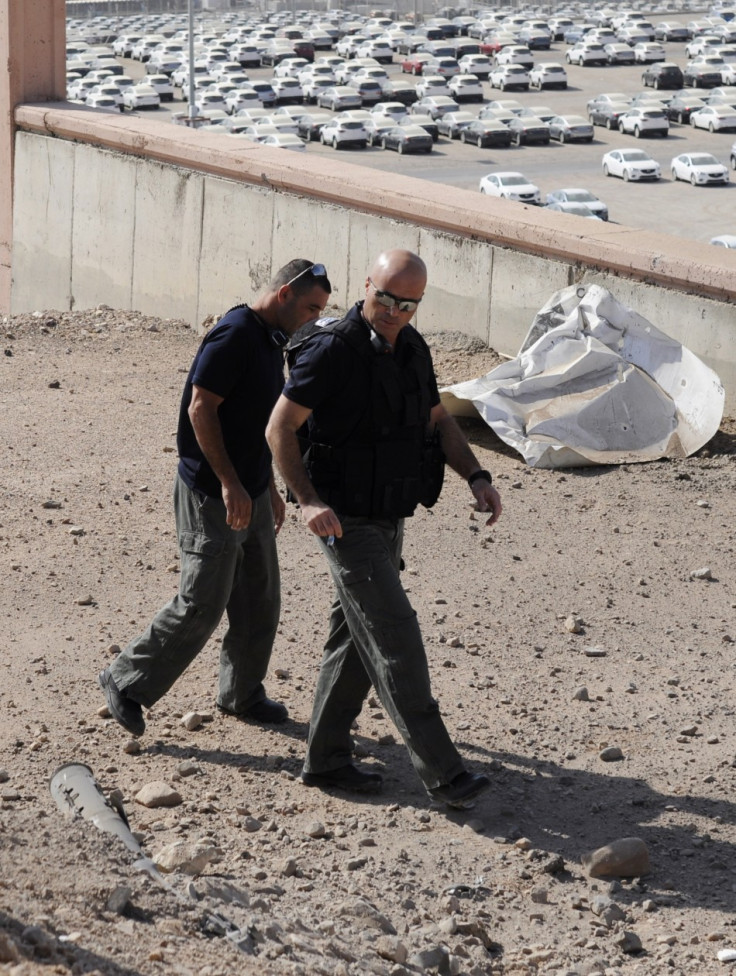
{"x": 32, "y": 69}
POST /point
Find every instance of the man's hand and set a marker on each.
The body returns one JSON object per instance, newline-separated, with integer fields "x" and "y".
{"x": 239, "y": 506}
{"x": 321, "y": 520}
{"x": 487, "y": 499}
{"x": 279, "y": 508}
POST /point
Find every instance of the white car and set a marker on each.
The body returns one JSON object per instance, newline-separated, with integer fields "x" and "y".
{"x": 141, "y": 96}
{"x": 107, "y": 103}
{"x": 475, "y": 64}
{"x": 509, "y": 76}
{"x": 290, "y": 67}
{"x": 644, "y": 120}
{"x": 511, "y": 186}
{"x": 466, "y": 88}
{"x": 313, "y": 86}
{"x": 631, "y": 165}
{"x": 724, "y": 240}
{"x": 515, "y": 54}
{"x": 586, "y": 53}
{"x": 344, "y": 132}
{"x": 391, "y": 111}
{"x": 574, "y": 197}
{"x": 701, "y": 169}
{"x": 432, "y": 85}
{"x": 284, "y": 140}
{"x": 162, "y": 84}
{"x": 241, "y": 98}
{"x": 714, "y": 118}
{"x": 547, "y": 74}
{"x": 645, "y": 52}
{"x": 619, "y": 53}
{"x": 287, "y": 90}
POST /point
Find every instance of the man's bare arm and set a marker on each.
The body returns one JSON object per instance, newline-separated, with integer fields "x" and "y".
{"x": 286, "y": 419}
{"x": 208, "y": 431}
{"x": 461, "y": 458}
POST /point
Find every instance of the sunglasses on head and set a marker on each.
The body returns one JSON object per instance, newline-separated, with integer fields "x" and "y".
{"x": 316, "y": 270}
{"x": 388, "y": 300}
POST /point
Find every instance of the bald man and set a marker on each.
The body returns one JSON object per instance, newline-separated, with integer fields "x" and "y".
{"x": 365, "y": 392}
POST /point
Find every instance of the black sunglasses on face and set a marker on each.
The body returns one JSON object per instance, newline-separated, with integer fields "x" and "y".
{"x": 388, "y": 300}
{"x": 316, "y": 270}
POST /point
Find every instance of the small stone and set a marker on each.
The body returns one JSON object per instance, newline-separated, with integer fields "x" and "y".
{"x": 727, "y": 955}
{"x": 288, "y": 867}
{"x": 581, "y": 694}
{"x": 391, "y": 948}
{"x": 132, "y": 747}
{"x": 435, "y": 958}
{"x": 595, "y": 651}
{"x": 540, "y": 896}
{"x": 624, "y": 858}
{"x": 387, "y": 740}
{"x": 573, "y": 625}
{"x": 158, "y": 794}
{"x": 187, "y": 768}
{"x": 689, "y": 730}
{"x": 315, "y": 829}
{"x": 628, "y": 942}
{"x": 703, "y": 573}
{"x": 51, "y": 504}
{"x": 8, "y": 949}
{"x": 85, "y": 601}
{"x": 355, "y": 863}
{"x": 523, "y": 844}
{"x": 252, "y": 825}
{"x": 76, "y": 530}
{"x": 191, "y": 721}
{"x": 119, "y": 900}
{"x": 610, "y": 754}
{"x": 4, "y": 776}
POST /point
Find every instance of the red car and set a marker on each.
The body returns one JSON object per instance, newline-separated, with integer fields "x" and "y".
{"x": 414, "y": 63}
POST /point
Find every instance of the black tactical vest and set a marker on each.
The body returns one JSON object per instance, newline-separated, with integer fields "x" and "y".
{"x": 389, "y": 463}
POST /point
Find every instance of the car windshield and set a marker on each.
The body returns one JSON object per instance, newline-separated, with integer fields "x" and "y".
{"x": 574, "y": 120}
{"x": 636, "y": 156}
{"x": 512, "y": 181}
{"x": 579, "y": 196}
{"x": 704, "y": 159}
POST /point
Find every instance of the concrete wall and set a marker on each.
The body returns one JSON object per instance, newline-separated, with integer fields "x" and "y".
{"x": 139, "y": 214}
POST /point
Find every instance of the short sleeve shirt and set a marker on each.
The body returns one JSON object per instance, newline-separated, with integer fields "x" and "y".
{"x": 332, "y": 379}
{"x": 238, "y": 361}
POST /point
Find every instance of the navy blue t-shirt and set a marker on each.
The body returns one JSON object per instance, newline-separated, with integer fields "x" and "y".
{"x": 239, "y": 361}
{"x": 333, "y": 380}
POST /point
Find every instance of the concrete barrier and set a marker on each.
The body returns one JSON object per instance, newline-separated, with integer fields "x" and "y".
{"x": 140, "y": 214}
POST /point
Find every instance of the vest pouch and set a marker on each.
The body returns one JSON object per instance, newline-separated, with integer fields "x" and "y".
{"x": 397, "y": 487}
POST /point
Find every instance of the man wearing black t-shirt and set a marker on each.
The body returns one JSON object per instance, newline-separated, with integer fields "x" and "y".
{"x": 228, "y": 511}
{"x": 366, "y": 391}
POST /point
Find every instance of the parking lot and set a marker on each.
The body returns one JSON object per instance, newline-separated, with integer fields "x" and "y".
{"x": 697, "y": 213}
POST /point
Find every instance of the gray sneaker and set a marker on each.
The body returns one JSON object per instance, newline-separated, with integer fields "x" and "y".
{"x": 124, "y": 710}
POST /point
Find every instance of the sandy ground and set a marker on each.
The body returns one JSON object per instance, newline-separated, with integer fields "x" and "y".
{"x": 317, "y": 883}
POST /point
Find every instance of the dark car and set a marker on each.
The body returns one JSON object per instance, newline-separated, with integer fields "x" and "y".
{"x": 681, "y": 105}
{"x": 527, "y": 129}
{"x": 607, "y": 114}
{"x": 700, "y": 76}
{"x": 407, "y": 139}
{"x": 486, "y": 132}
{"x": 309, "y": 127}
{"x": 402, "y": 92}
{"x": 427, "y": 123}
{"x": 304, "y": 49}
{"x": 663, "y": 74}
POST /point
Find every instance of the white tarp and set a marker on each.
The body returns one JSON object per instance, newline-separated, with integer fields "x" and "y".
{"x": 596, "y": 383}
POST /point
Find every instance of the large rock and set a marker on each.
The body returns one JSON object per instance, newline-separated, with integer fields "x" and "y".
{"x": 188, "y": 858}
{"x": 158, "y": 794}
{"x": 625, "y": 858}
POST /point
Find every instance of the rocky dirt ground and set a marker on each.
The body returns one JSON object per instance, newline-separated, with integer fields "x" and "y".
{"x": 390, "y": 884}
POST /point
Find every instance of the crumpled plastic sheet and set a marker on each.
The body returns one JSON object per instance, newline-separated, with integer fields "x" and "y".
{"x": 596, "y": 383}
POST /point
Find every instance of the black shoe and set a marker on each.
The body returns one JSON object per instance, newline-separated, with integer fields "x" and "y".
{"x": 124, "y": 710}
{"x": 266, "y": 711}
{"x": 461, "y": 791}
{"x": 345, "y": 778}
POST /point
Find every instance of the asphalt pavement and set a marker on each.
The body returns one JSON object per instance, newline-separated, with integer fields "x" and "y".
{"x": 695, "y": 213}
